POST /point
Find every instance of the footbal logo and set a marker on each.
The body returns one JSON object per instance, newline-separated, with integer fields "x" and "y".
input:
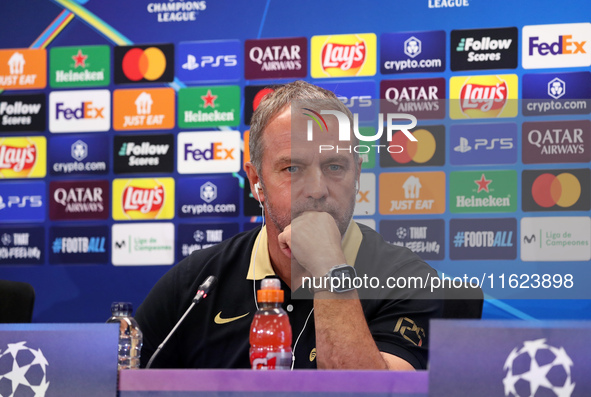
{"x": 23, "y": 371}
{"x": 343, "y": 55}
{"x": 537, "y": 368}
{"x": 143, "y": 199}
{"x": 17, "y": 157}
{"x": 483, "y": 96}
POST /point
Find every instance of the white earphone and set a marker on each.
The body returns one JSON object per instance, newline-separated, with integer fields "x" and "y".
{"x": 257, "y": 187}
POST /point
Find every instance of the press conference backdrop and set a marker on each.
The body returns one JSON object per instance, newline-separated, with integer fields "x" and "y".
{"x": 123, "y": 128}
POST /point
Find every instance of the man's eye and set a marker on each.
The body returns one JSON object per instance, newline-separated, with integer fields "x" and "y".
{"x": 335, "y": 167}
{"x": 292, "y": 169}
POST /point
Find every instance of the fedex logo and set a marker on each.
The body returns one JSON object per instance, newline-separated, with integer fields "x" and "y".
{"x": 208, "y": 152}
{"x": 556, "y": 46}
{"x": 79, "y": 111}
{"x": 215, "y": 152}
{"x": 86, "y": 111}
{"x": 564, "y": 45}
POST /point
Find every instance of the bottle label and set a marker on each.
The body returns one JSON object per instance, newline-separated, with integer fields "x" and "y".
{"x": 270, "y": 360}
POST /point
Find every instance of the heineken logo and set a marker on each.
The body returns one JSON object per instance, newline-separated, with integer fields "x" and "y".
{"x": 484, "y": 191}
{"x": 86, "y": 66}
{"x": 200, "y": 107}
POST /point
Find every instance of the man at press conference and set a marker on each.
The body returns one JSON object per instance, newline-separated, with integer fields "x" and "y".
{"x": 308, "y": 197}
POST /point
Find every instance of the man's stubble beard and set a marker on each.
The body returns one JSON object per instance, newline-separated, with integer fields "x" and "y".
{"x": 342, "y": 217}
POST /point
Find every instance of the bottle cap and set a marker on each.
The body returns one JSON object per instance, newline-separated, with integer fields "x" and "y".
{"x": 121, "y": 307}
{"x": 270, "y": 291}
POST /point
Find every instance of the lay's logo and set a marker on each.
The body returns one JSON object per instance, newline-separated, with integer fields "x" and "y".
{"x": 143, "y": 198}
{"x": 22, "y": 157}
{"x": 344, "y": 55}
{"x": 477, "y": 97}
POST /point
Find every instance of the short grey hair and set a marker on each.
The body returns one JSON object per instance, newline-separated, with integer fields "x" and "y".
{"x": 275, "y": 102}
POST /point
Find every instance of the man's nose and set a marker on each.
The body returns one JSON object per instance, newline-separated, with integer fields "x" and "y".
{"x": 315, "y": 185}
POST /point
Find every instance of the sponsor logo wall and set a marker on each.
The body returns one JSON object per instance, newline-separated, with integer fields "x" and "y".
{"x": 134, "y": 155}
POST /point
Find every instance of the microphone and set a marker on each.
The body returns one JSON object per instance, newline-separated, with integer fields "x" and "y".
{"x": 204, "y": 289}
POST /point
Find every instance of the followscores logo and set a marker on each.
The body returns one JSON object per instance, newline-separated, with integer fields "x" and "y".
{"x": 22, "y": 113}
{"x": 556, "y": 46}
{"x": 478, "y": 49}
{"x": 79, "y": 111}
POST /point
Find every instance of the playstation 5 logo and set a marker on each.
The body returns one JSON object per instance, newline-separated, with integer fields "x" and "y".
{"x": 208, "y": 60}
{"x": 464, "y": 146}
{"x": 484, "y": 143}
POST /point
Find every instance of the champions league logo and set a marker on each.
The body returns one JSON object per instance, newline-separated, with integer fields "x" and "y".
{"x": 537, "y": 368}
{"x": 23, "y": 371}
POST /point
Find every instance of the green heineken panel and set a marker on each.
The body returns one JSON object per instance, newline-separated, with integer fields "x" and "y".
{"x": 482, "y": 191}
{"x": 212, "y": 106}
{"x": 80, "y": 66}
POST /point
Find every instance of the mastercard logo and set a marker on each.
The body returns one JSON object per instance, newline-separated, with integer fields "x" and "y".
{"x": 549, "y": 190}
{"x": 419, "y": 152}
{"x": 259, "y": 97}
{"x": 150, "y": 63}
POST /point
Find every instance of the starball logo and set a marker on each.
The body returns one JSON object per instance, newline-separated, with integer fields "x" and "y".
{"x": 22, "y": 157}
{"x": 483, "y": 96}
{"x": 143, "y": 198}
{"x": 344, "y": 55}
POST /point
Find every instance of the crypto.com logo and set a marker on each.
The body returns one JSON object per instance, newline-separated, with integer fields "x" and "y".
{"x": 345, "y": 130}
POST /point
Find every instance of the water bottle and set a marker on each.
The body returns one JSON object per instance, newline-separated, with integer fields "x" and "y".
{"x": 130, "y": 336}
{"x": 270, "y": 332}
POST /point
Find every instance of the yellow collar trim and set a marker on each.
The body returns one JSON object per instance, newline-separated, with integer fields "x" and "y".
{"x": 262, "y": 267}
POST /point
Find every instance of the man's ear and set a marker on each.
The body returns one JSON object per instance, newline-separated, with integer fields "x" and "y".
{"x": 255, "y": 182}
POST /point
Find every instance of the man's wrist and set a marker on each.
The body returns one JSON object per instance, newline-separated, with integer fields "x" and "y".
{"x": 339, "y": 279}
